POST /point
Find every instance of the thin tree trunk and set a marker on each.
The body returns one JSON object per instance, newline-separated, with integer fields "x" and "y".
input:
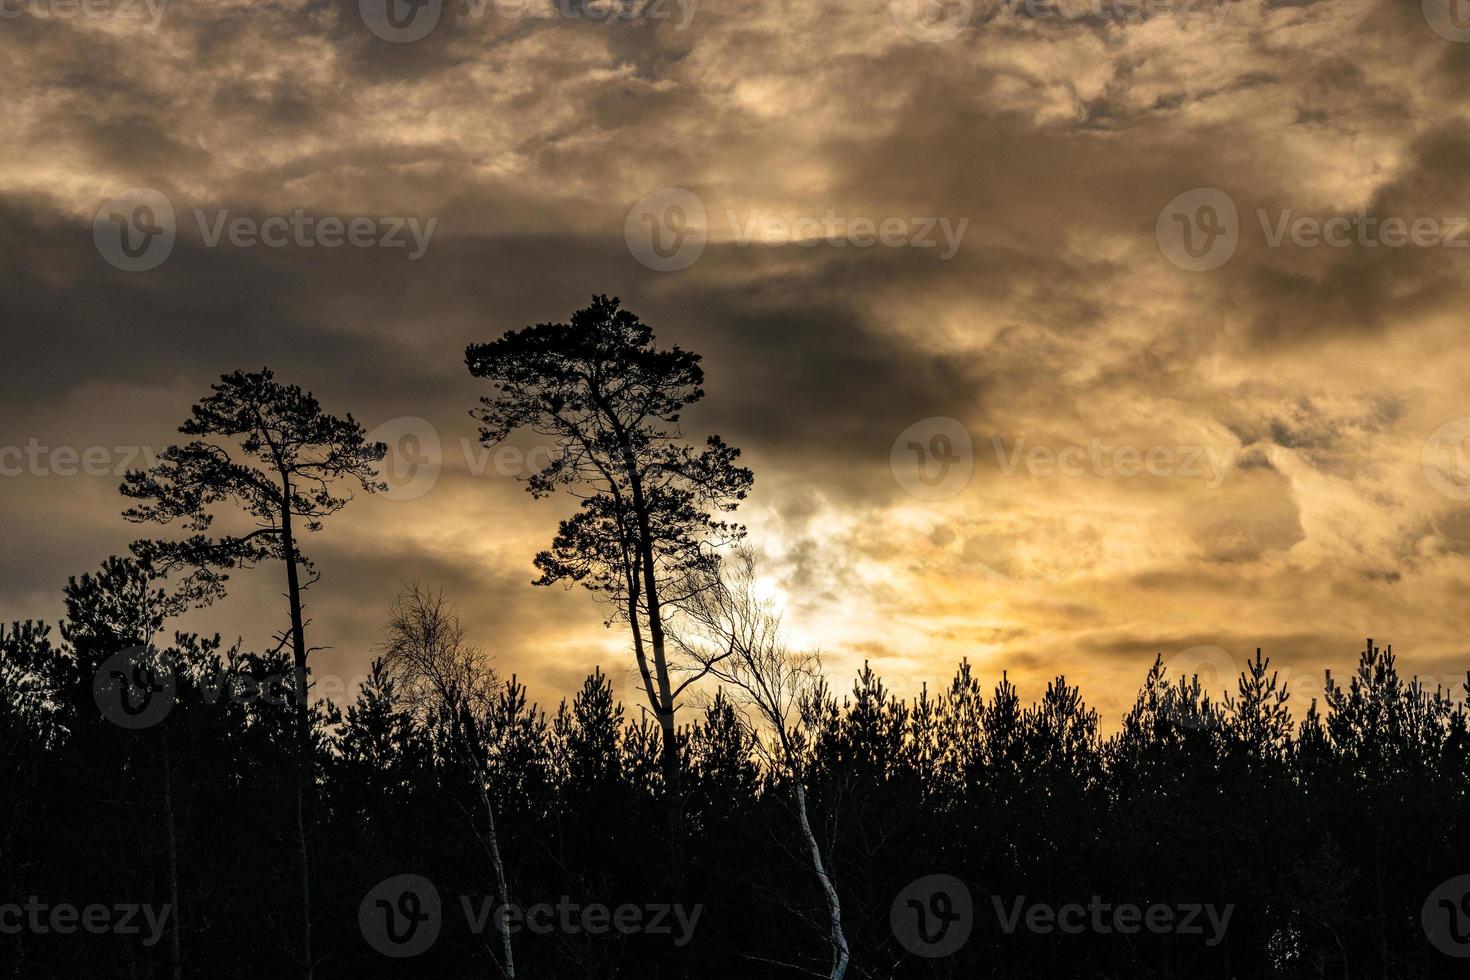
{"x": 668, "y": 726}
{"x": 659, "y": 698}
{"x": 305, "y": 777}
{"x": 664, "y": 709}
{"x": 492, "y": 842}
{"x": 834, "y": 904}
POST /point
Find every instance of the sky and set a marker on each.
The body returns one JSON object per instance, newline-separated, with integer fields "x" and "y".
{"x": 1058, "y": 337}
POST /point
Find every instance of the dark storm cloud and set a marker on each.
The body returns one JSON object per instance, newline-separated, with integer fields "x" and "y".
{"x": 204, "y": 308}
{"x": 816, "y": 384}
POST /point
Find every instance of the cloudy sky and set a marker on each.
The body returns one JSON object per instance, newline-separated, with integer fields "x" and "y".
{"x": 1057, "y": 337}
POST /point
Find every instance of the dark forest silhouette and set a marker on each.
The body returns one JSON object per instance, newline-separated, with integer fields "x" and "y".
{"x": 788, "y": 823}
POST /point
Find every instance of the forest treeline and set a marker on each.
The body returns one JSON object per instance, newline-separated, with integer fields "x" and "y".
{"x": 1326, "y": 836}
{"x": 177, "y": 806}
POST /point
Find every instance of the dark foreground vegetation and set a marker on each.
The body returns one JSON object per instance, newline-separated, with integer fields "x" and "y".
{"x": 1326, "y": 837}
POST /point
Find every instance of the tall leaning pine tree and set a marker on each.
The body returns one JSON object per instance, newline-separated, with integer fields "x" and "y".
{"x": 269, "y": 456}
{"x": 651, "y": 504}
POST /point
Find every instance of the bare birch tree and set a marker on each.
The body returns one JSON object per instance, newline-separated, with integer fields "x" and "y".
{"x": 442, "y": 675}
{"x": 735, "y": 636}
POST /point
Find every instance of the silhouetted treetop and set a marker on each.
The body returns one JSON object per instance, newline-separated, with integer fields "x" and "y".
{"x": 265, "y": 447}
{"x": 601, "y": 369}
